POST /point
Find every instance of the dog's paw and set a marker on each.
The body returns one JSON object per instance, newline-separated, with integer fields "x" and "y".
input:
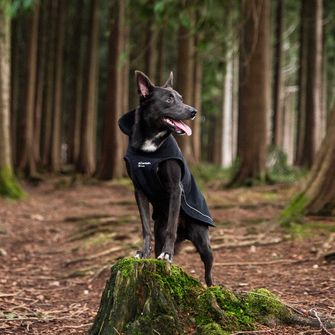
{"x": 165, "y": 257}
{"x": 139, "y": 254}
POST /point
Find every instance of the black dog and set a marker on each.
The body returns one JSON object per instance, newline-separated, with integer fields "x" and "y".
{"x": 161, "y": 176}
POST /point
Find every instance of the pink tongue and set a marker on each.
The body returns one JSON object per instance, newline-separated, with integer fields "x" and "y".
{"x": 183, "y": 126}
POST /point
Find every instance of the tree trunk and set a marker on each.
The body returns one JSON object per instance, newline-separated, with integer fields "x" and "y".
{"x": 309, "y": 117}
{"x": 8, "y": 184}
{"x": 278, "y": 89}
{"x": 41, "y": 79}
{"x": 77, "y": 64}
{"x": 227, "y": 115}
{"x": 49, "y": 89}
{"x": 26, "y": 161}
{"x": 111, "y": 165}
{"x": 154, "y": 297}
{"x": 197, "y": 88}
{"x": 87, "y": 160}
{"x": 318, "y": 195}
{"x": 254, "y": 93}
{"x": 185, "y": 83}
{"x": 160, "y": 57}
{"x": 55, "y": 158}
{"x": 150, "y": 54}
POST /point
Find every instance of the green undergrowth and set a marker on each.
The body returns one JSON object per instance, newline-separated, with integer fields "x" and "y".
{"x": 9, "y": 187}
{"x": 309, "y": 229}
{"x": 154, "y": 297}
{"x": 205, "y": 173}
{"x": 279, "y": 170}
{"x": 294, "y": 211}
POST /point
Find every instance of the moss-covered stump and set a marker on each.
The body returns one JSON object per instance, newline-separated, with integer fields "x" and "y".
{"x": 154, "y": 297}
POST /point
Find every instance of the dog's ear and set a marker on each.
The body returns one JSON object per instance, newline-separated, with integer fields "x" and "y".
{"x": 169, "y": 82}
{"x": 144, "y": 84}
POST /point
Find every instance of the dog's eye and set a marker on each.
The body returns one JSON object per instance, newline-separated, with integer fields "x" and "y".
{"x": 170, "y": 100}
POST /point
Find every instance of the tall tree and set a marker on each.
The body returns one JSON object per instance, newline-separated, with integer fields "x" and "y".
{"x": 76, "y": 64}
{"x": 318, "y": 195}
{"x": 278, "y": 83}
{"x": 86, "y": 161}
{"x": 254, "y": 92}
{"x": 8, "y": 184}
{"x": 185, "y": 72}
{"x": 55, "y": 154}
{"x": 48, "y": 101}
{"x": 111, "y": 165}
{"x": 27, "y": 161}
{"x": 310, "y": 97}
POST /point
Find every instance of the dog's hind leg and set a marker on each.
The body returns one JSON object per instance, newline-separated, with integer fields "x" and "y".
{"x": 198, "y": 235}
{"x": 159, "y": 228}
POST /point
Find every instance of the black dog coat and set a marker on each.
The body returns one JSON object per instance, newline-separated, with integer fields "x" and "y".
{"x": 143, "y": 172}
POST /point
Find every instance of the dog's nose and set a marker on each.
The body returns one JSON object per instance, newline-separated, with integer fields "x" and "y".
{"x": 193, "y": 112}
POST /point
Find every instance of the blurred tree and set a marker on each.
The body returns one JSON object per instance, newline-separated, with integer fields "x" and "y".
{"x": 185, "y": 81}
{"x": 310, "y": 83}
{"x": 111, "y": 164}
{"x": 254, "y": 92}
{"x": 55, "y": 154}
{"x": 8, "y": 184}
{"x": 278, "y": 83}
{"x": 48, "y": 100}
{"x": 318, "y": 195}
{"x": 26, "y": 160}
{"x": 87, "y": 160}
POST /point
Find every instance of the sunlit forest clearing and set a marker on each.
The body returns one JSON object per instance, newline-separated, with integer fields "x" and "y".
{"x": 260, "y": 74}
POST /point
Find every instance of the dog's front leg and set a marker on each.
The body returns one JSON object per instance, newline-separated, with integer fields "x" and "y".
{"x": 171, "y": 177}
{"x": 144, "y": 209}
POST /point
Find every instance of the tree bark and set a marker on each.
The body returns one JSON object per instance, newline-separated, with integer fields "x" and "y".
{"x": 150, "y": 55}
{"x": 309, "y": 117}
{"x": 41, "y": 79}
{"x": 111, "y": 165}
{"x": 55, "y": 158}
{"x": 49, "y": 89}
{"x": 197, "y": 88}
{"x": 318, "y": 195}
{"x": 77, "y": 64}
{"x": 27, "y": 161}
{"x": 8, "y": 184}
{"x": 278, "y": 89}
{"x": 87, "y": 160}
{"x": 185, "y": 83}
{"x": 254, "y": 93}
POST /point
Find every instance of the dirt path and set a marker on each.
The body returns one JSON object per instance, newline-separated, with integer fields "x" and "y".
{"x": 53, "y": 264}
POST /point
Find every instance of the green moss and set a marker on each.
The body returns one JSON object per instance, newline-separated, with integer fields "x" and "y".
{"x": 225, "y": 308}
{"x": 148, "y": 296}
{"x": 265, "y": 307}
{"x": 295, "y": 210}
{"x": 9, "y": 187}
{"x": 211, "y": 329}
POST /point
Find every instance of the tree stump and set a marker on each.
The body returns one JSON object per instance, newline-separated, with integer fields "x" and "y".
{"x": 154, "y": 297}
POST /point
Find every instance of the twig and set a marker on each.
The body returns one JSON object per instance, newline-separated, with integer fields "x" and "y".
{"x": 251, "y": 332}
{"x": 322, "y": 326}
{"x": 278, "y": 261}
{"x": 256, "y": 243}
{"x": 91, "y": 257}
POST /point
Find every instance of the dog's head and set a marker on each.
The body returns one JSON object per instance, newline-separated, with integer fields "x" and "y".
{"x": 162, "y": 107}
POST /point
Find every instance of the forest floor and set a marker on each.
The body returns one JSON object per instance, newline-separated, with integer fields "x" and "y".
{"x": 57, "y": 246}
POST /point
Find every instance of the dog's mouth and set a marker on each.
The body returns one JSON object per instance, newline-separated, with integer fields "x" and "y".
{"x": 179, "y": 127}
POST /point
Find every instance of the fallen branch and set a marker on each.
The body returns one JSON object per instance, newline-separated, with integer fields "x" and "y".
{"x": 322, "y": 326}
{"x": 91, "y": 257}
{"x": 278, "y": 261}
{"x": 256, "y": 243}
